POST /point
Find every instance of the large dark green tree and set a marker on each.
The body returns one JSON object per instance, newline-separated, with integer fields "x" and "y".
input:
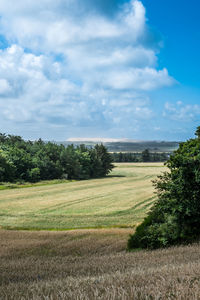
{"x": 101, "y": 161}
{"x": 7, "y": 168}
{"x": 175, "y": 216}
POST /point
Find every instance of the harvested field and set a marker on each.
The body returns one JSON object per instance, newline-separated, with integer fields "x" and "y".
{"x": 93, "y": 264}
{"x": 119, "y": 200}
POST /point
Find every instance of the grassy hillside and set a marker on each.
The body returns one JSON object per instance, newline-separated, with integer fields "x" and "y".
{"x": 121, "y": 199}
{"x": 93, "y": 264}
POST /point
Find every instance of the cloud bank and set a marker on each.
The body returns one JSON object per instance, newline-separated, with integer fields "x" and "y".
{"x": 72, "y": 64}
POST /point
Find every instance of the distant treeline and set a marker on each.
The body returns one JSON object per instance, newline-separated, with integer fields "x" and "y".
{"x": 133, "y": 147}
{"x": 144, "y": 156}
{"x": 33, "y": 161}
{"x": 141, "y": 146}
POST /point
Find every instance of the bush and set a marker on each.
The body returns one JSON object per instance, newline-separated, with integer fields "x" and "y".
{"x": 175, "y": 216}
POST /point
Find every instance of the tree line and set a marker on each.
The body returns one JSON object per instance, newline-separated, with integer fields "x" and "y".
{"x": 22, "y": 160}
{"x": 144, "y": 156}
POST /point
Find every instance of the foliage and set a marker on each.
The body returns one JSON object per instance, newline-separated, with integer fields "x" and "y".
{"x": 7, "y": 169}
{"x": 175, "y": 217}
{"x": 33, "y": 161}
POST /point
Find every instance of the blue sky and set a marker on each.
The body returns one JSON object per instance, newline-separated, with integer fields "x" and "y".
{"x": 98, "y": 68}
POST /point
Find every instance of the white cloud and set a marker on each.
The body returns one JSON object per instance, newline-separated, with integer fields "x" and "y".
{"x": 181, "y": 112}
{"x": 4, "y": 87}
{"x": 138, "y": 79}
{"x": 75, "y": 62}
{"x": 135, "y": 16}
{"x": 44, "y": 25}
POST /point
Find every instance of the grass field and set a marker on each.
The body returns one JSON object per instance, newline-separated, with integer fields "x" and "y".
{"x": 93, "y": 264}
{"x": 89, "y": 264}
{"x": 119, "y": 200}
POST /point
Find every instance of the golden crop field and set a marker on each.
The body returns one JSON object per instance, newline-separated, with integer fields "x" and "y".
{"x": 120, "y": 200}
{"x": 93, "y": 265}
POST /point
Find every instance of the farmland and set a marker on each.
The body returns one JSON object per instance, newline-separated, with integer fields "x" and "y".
{"x": 93, "y": 264}
{"x": 89, "y": 263}
{"x": 119, "y": 200}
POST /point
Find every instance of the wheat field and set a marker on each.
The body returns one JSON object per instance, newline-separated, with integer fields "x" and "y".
{"x": 93, "y": 264}
{"x": 120, "y": 200}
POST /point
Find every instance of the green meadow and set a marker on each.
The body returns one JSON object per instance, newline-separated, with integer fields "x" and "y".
{"x": 121, "y": 199}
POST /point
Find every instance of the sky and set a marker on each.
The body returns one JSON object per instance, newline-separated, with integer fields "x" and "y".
{"x": 98, "y": 68}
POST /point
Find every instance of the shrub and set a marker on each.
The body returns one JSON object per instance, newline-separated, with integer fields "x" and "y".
{"x": 175, "y": 216}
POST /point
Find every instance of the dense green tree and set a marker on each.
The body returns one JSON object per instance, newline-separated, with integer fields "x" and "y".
{"x": 34, "y": 175}
{"x": 101, "y": 161}
{"x": 7, "y": 169}
{"x": 83, "y": 163}
{"x": 33, "y": 161}
{"x": 21, "y": 160}
{"x": 175, "y": 216}
{"x": 197, "y": 133}
{"x": 3, "y": 137}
